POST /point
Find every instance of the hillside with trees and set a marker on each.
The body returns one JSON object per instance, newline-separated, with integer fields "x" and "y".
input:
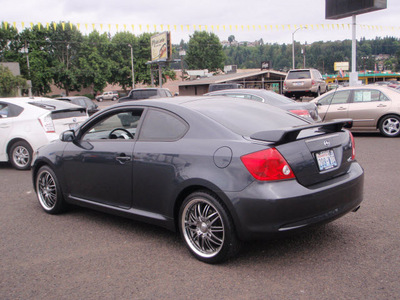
{"x": 319, "y": 55}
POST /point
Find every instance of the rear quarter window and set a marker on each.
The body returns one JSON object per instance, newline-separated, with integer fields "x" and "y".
{"x": 159, "y": 125}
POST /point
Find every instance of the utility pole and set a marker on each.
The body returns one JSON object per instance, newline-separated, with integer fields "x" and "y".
{"x": 133, "y": 70}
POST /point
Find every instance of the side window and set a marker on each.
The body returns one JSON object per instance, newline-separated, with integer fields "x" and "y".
{"x": 335, "y": 98}
{"x": 3, "y": 110}
{"x": 120, "y": 125}
{"x": 368, "y": 96}
{"x": 160, "y": 125}
{"x": 10, "y": 110}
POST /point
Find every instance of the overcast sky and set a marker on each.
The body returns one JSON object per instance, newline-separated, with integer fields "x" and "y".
{"x": 245, "y": 20}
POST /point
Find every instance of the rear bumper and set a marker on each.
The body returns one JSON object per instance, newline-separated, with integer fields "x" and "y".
{"x": 263, "y": 210}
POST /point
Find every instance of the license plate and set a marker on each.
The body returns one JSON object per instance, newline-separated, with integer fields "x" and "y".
{"x": 326, "y": 160}
{"x": 297, "y": 83}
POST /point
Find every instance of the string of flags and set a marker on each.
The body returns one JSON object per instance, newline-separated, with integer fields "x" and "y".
{"x": 190, "y": 28}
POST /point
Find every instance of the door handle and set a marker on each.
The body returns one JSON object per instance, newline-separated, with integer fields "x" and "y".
{"x": 123, "y": 158}
{"x": 342, "y": 108}
{"x": 381, "y": 105}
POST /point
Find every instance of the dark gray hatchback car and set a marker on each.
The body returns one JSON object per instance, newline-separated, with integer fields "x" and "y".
{"x": 215, "y": 169}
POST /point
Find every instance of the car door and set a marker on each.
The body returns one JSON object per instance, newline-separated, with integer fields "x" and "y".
{"x": 334, "y": 106}
{"x": 158, "y": 163}
{"x": 367, "y": 106}
{"x": 99, "y": 163}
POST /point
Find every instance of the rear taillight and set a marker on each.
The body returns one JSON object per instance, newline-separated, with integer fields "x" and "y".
{"x": 267, "y": 165}
{"x": 301, "y": 112}
{"x": 312, "y": 82}
{"x": 353, "y": 147}
{"x": 47, "y": 123}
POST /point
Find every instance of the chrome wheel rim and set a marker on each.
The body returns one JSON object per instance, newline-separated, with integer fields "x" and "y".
{"x": 391, "y": 126}
{"x": 203, "y": 228}
{"x": 46, "y": 190}
{"x": 21, "y": 156}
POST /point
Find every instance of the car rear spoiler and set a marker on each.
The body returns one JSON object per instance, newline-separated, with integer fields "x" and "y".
{"x": 286, "y": 135}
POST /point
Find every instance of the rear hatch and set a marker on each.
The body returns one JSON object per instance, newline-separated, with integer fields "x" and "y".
{"x": 315, "y": 153}
{"x": 61, "y": 115}
{"x": 298, "y": 80}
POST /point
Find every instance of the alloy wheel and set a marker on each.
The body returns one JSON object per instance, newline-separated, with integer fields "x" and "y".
{"x": 46, "y": 190}
{"x": 21, "y": 156}
{"x": 203, "y": 228}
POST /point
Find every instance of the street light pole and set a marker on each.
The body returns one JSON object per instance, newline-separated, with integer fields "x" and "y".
{"x": 29, "y": 82}
{"x": 294, "y": 67}
{"x": 133, "y": 70}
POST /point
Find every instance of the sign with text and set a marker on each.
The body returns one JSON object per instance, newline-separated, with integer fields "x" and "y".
{"x": 160, "y": 46}
{"x": 342, "y": 65}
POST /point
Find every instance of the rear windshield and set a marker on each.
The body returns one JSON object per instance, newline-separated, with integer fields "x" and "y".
{"x": 64, "y": 114}
{"x": 137, "y": 95}
{"x": 245, "y": 117}
{"x": 299, "y": 75}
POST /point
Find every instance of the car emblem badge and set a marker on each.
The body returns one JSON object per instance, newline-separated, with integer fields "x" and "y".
{"x": 327, "y": 143}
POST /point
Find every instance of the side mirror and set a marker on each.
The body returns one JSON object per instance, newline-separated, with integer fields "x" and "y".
{"x": 68, "y": 136}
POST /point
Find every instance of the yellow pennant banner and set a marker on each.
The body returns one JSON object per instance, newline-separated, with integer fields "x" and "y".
{"x": 192, "y": 27}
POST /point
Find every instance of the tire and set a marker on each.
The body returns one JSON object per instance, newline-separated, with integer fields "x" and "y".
{"x": 100, "y": 100}
{"x": 207, "y": 229}
{"x": 48, "y": 191}
{"x": 114, "y": 98}
{"x": 20, "y": 155}
{"x": 390, "y": 126}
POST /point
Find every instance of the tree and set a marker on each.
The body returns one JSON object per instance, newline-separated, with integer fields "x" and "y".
{"x": 36, "y": 46}
{"x": 10, "y": 83}
{"x": 205, "y": 52}
{"x": 94, "y": 61}
{"x": 120, "y": 54}
{"x": 64, "y": 46}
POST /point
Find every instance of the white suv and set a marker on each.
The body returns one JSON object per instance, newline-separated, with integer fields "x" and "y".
{"x": 29, "y": 123}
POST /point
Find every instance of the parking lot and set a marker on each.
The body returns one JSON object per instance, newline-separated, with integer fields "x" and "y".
{"x": 85, "y": 254}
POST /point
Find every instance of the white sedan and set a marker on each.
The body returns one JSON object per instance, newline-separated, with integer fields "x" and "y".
{"x": 29, "y": 123}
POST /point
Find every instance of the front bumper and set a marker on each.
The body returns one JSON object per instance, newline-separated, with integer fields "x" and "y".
{"x": 263, "y": 209}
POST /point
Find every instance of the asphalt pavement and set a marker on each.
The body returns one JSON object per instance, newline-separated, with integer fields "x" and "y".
{"x": 84, "y": 254}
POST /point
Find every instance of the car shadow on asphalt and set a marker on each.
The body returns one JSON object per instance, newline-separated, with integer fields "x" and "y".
{"x": 310, "y": 241}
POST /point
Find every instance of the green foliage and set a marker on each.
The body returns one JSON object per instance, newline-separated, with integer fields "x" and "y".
{"x": 319, "y": 55}
{"x": 10, "y": 83}
{"x": 94, "y": 61}
{"x": 205, "y": 52}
